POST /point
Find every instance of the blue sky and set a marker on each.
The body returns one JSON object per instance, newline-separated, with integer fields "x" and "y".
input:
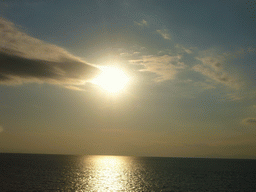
{"x": 192, "y": 78}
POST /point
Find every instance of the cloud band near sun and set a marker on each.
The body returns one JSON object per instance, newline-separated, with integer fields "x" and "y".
{"x": 27, "y": 59}
{"x": 165, "y": 67}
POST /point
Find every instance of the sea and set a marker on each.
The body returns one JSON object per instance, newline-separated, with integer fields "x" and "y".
{"x": 37, "y": 172}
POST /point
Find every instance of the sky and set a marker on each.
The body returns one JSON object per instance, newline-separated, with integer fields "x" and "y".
{"x": 190, "y": 64}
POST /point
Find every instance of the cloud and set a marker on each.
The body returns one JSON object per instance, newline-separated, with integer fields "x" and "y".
{"x": 142, "y": 23}
{"x": 125, "y": 54}
{"x": 183, "y": 49}
{"x": 249, "y": 121}
{"x": 74, "y": 88}
{"x": 251, "y": 49}
{"x": 1, "y": 129}
{"x": 204, "y": 85}
{"x": 212, "y": 67}
{"x": 165, "y": 66}
{"x": 164, "y": 33}
{"x": 234, "y": 97}
{"x": 27, "y": 59}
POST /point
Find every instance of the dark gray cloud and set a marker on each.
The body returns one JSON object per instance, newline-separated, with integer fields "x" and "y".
{"x": 27, "y": 59}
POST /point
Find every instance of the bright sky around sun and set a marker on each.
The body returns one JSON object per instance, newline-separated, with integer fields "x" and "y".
{"x": 127, "y": 77}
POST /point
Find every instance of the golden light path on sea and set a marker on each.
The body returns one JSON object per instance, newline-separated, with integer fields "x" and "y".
{"x": 107, "y": 173}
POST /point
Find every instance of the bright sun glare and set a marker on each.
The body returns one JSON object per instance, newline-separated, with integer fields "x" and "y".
{"x": 111, "y": 79}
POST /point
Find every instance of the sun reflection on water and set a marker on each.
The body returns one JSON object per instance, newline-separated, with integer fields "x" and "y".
{"x": 109, "y": 173}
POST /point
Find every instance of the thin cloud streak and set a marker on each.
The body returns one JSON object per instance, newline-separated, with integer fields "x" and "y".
{"x": 249, "y": 121}
{"x": 212, "y": 67}
{"x": 27, "y": 59}
{"x": 204, "y": 85}
{"x": 142, "y": 23}
{"x": 164, "y": 33}
{"x": 183, "y": 49}
{"x": 1, "y": 129}
{"x": 166, "y": 66}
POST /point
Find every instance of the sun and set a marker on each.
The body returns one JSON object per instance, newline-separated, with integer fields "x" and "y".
{"x": 111, "y": 79}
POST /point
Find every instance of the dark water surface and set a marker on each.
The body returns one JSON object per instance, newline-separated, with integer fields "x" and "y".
{"x": 33, "y": 172}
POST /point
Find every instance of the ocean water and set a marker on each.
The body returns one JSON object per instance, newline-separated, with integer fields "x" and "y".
{"x": 34, "y": 172}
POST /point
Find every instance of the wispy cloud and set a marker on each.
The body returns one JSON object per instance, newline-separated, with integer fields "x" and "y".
{"x": 165, "y": 66}
{"x": 164, "y": 33}
{"x": 240, "y": 94}
{"x": 125, "y": 54}
{"x": 183, "y": 49}
{"x": 142, "y": 23}
{"x": 212, "y": 67}
{"x": 27, "y": 59}
{"x": 240, "y": 52}
{"x": 74, "y": 88}
{"x": 204, "y": 85}
{"x": 1, "y": 129}
{"x": 251, "y": 49}
{"x": 234, "y": 97}
{"x": 249, "y": 121}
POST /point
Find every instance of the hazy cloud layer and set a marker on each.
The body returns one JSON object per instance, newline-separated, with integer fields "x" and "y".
{"x": 27, "y": 59}
{"x": 165, "y": 66}
{"x": 212, "y": 67}
{"x": 164, "y": 33}
{"x": 250, "y": 121}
